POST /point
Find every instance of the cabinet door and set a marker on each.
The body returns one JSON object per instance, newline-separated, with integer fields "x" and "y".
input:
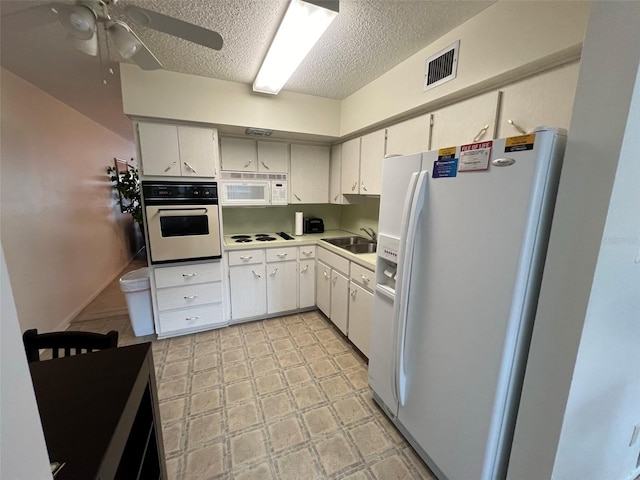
{"x": 371, "y": 157}
{"x": 460, "y": 123}
{"x": 409, "y": 137}
{"x": 335, "y": 195}
{"x": 339, "y": 300}
{"x": 323, "y": 288}
{"x": 238, "y": 154}
{"x": 350, "y": 166}
{"x": 544, "y": 99}
{"x": 282, "y": 286}
{"x": 309, "y": 175}
{"x": 273, "y": 157}
{"x": 248, "y": 291}
{"x": 198, "y": 151}
{"x": 360, "y": 313}
{"x": 307, "y": 284}
{"x": 159, "y": 149}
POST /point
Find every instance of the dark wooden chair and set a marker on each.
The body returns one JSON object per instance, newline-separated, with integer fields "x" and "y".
{"x": 67, "y": 342}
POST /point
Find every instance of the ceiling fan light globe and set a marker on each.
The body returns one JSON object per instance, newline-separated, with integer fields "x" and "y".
{"x": 125, "y": 41}
{"x": 78, "y": 20}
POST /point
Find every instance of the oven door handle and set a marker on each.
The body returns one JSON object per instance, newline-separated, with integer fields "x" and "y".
{"x": 160, "y": 210}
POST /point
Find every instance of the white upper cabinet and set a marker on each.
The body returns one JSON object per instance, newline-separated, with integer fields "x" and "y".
{"x": 372, "y": 150}
{"x": 350, "y": 169}
{"x": 273, "y": 156}
{"x": 411, "y": 136}
{"x": 544, "y": 99}
{"x": 309, "y": 174}
{"x": 178, "y": 150}
{"x": 335, "y": 174}
{"x": 248, "y": 155}
{"x": 239, "y": 154}
{"x": 462, "y": 122}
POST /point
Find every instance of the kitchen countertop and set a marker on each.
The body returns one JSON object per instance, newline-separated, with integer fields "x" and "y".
{"x": 367, "y": 260}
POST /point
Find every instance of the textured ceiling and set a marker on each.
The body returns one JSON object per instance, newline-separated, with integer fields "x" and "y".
{"x": 367, "y": 38}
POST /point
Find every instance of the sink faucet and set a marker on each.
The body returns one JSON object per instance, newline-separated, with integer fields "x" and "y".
{"x": 371, "y": 233}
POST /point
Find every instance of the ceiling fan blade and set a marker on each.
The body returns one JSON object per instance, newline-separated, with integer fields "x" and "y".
{"x": 89, "y": 46}
{"x": 144, "y": 58}
{"x": 177, "y": 28}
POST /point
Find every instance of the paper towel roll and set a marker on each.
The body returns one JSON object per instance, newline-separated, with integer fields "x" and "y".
{"x": 298, "y": 223}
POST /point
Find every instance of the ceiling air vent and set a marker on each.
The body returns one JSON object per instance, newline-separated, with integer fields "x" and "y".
{"x": 442, "y": 67}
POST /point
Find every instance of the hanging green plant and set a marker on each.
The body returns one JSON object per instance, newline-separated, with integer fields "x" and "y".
{"x": 127, "y": 183}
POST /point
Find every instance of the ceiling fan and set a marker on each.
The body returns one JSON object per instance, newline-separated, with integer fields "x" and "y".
{"x": 82, "y": 18}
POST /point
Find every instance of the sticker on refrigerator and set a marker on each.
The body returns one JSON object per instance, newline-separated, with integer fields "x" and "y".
{"x": 520, "y": 143}
{"x": 447, "y": 153}
{"x": 445, "y": 168}
{"x": 475, "y": 156}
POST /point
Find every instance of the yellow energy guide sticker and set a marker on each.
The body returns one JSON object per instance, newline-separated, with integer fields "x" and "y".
{"x": 520, "y": 143}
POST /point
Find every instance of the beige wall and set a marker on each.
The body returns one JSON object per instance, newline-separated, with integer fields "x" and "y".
{"x": 198, "y": 99}
{"x": 63, "y": 238}
{"x": 505, "y": 42}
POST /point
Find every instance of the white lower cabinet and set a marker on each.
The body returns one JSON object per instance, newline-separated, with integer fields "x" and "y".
{"x": 188, "y": 298}
{"x": 340, "y": 301}
{"x": 282, "y": 282}
{"x": 271, "y": 280}
{"x": 346, "y": 299}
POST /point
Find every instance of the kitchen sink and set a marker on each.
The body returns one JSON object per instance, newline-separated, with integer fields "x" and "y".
{"x": 353, "y": 244}
{"x": 361, "y": 248}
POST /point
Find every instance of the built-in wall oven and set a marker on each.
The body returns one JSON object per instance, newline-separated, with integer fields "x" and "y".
{"x": 182, "y": 220}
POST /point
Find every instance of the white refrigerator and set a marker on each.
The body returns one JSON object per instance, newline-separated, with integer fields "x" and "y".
{"x": 462, "y": 241}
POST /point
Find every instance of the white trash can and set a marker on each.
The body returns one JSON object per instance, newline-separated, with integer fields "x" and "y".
{"x": 137, "y": 292}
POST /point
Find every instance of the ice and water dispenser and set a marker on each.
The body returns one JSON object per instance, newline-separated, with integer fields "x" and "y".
{"x": 387, "y": 264}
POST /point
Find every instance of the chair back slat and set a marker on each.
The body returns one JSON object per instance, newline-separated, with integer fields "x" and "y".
{"x": 67, "y": 341}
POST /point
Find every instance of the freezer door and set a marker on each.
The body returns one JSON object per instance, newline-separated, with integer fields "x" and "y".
{"x": 480, "y": 248}
{"x": 396, "y": 175}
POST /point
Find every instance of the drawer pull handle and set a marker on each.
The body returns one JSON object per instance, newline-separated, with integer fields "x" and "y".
{"x": 264, "y": 165}
{"x": 189, "y": 275}
{"x": 353, "y": 187}
{"x": 189, "y": 167}
{"x": 297, "y": 197}
{"x": 306, "y": 267}
{"x": 281, "y": 255}
{"x": 335, "y": 279}
{"x": 191, "y": 319}
{"x": 353, "y": 294}
{"x": 364, "y": 279}
{"x": 274, "y": 272}
{"x": 364, "y": 188}
{"x": 335, "y": 199}
{"x": 246, "y": 257}
{"x": 308, "y": 252}
{"x": 325, "y": 275}
{"x": 248, "y": 163}
{"x": 190, "y": 297}
{"x": 256, "y": 275}
{"x": 169, "y": 166}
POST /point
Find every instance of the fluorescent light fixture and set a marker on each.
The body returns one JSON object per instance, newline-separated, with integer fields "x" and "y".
{"x": 303, "y": 24}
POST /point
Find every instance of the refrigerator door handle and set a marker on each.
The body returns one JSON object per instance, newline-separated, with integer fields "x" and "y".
{"x": 413, "y": 208}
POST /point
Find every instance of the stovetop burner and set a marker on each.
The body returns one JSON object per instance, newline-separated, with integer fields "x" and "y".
{"x": 265, "y": 239}
{"x": 236, "y": 237}
{"x": 257, "y": 235}
{"x": 243, "y": 240}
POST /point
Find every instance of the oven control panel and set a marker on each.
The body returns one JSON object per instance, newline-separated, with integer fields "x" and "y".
{"x": 163, "y": 192}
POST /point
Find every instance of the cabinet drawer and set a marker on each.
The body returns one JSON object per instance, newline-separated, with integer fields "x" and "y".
{"x": 281, "y": 254}
{"x": 245, "y": 257}
{"x": 189, "y": 295}
{"x": 334, "y": 261}
{"x": 307, "y": 252}
{"x": 188, "y": 318}
{"x": 175, "y": 276}
{"x": 362, "y": 276}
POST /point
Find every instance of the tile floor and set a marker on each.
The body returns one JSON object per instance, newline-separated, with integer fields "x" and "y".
{"x": 282, "y": 398}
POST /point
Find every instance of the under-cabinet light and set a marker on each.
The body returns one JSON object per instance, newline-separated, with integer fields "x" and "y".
{"x": 303, "y": 24}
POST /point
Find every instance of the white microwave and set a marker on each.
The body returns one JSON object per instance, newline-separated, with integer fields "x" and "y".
{"x": 252, "y": 189}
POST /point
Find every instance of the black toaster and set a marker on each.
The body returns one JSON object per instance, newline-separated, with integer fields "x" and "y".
{"x": 313, "y": 225}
